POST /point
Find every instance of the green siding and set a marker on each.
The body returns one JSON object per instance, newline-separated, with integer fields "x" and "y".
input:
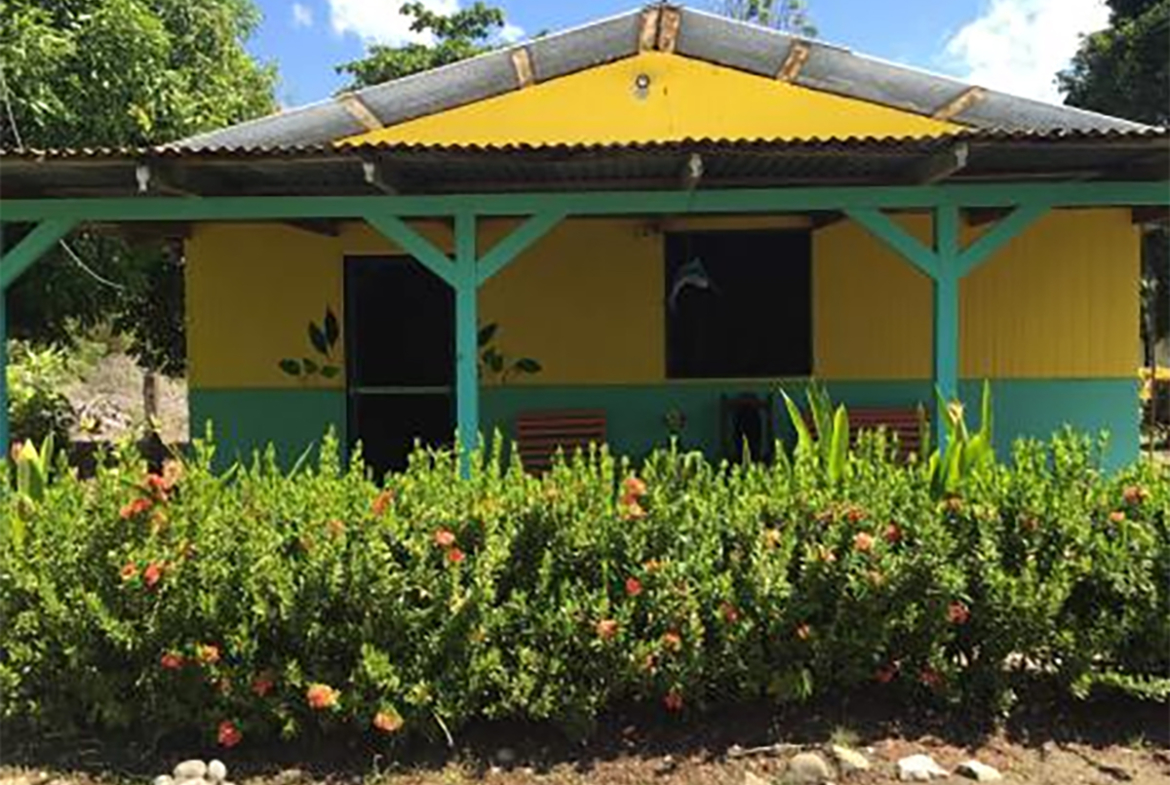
{"x": 247, "y": 420}
{"x": 1022, "y": 407}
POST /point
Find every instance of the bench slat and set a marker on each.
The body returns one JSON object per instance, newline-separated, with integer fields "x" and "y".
{"x": 539, "y": 435}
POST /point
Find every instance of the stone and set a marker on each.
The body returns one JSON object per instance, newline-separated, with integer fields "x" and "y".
{"x": 190, "y": 770}
{"x": 164, "y": 779}
{"x": 980, "y": 772}
{"x": 753, "y": 779}
{"x": 920, "y": 768}
{"x": 216, "y": 771}
{"x": 849, "y": 760}
{"x": 807, "y": 768}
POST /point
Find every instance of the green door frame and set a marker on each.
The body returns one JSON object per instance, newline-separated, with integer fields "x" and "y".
{"x": 945, "y": 261}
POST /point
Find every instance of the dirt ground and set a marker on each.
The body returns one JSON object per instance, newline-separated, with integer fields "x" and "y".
{"x": 1070, "y": 744}
{"x": 110, "y": 396}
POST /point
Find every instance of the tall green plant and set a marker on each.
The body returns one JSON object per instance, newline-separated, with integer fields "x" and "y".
{"x": 828, "y": 447}
{"x": 966, "y": 453}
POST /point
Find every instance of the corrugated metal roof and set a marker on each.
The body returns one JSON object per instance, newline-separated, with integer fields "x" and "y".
{"x": 702, "y": 36}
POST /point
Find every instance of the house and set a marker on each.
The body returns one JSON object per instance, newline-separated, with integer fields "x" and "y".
{"x": 654, "y": 212}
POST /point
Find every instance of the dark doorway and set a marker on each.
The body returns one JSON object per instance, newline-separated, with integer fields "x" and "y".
{"x": 400, "y": 357}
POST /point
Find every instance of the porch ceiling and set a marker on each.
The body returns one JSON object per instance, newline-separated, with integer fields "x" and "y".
{"x": 319, "y": 170}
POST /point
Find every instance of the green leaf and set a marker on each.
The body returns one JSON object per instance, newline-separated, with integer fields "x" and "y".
{"x": 486, "y": 334}
{"x": 330, "y": 371}
{"x": 310, "y": 366}
{"x": 803, "y": 438}
{"x": 317, "y": 338}
{"x": 291, "y": 367}
{"x": 332, "y": 329}
{"x": 528, "y": 365}
{"x": 493, "y": 360}
{"x": 839, "y": 446}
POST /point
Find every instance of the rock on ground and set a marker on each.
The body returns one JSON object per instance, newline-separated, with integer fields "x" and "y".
{"x": 807, "y": 768}
{"x": 849, "y": 760}
{"x": 190, "y": 770}
{"x": 979, "y": 772}
{"x": 920, "y": 768}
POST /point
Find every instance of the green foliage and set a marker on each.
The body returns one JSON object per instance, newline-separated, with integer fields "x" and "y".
{"x": 323, "y": 339}
{"x": 494, "y": 364}
{"x": 826, "y": 444}
{"x": 464, "y": 33}
{"x": 37, "y": 407}
{"x": 301, "y": 603}
{"x": 788, "y": 15}
{"x": 965, "y": 454}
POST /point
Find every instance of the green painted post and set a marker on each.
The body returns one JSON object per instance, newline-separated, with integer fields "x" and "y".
{"x": 3, "y": 374}
{"x": 946, "y": 313}
{"x": 466, "y": 339}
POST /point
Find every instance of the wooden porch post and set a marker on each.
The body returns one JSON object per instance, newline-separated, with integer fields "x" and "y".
{"x": 466, "y": 342}
{"x": 946, "y": 314}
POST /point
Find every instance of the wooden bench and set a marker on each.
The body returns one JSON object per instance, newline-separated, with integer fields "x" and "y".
{"x": 540, "y": 434}
{"x": 904, "y": 423}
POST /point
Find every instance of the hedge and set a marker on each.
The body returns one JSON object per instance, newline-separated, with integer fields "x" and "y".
{"x": 262, "y": 603}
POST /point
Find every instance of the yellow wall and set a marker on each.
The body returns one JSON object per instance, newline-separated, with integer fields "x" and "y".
{"x": 587, "y": 300}
{"x": 687, "y": 98}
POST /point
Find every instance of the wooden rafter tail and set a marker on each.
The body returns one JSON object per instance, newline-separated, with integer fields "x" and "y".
{"x": 359, "y": 111}
{"x": 522, "y": 66}
{"x": 669, "y": 23}
{"x": 648, "y": 32}
{"x": 793, "y": 64}
{"x": 960, "y": 103}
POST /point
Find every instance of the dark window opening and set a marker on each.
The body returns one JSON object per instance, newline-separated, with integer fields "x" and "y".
{"x": 738, "y": 304}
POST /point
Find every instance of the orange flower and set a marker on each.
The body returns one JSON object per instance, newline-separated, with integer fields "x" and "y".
{"x": 863, "y": 542}
{"x": 633, "y": 488}
{"x": 893, "y": 534}
{"x": 135, "y": 507}
{"x": 322, "y": 696}
{"x": 607, "y": 629}
{"x": 152, "y": 574}
{"x": 958, "y": 613}
{"x": 652, "y": 566}
{"x": 207, "y": 653}
{"x": 672, "y": 641}
{"x": 336, "y": 528}
{"x": 804, "y": 632}
{"x": 730, "y": 612}
{"x": 673, "y": 701}
{"x": 381, "y": 503}
{"x": 1117, "y": 516}
{"x": 263, "y": 684}
{"x": 631, "y": 510}
{"x": 129, "y": 571}
{"x": 444, "y": 538}
{"x": 171, "y": 661}
{"x": 388, "y": 721}
{"x": 456, "y": 556}
{"x": 157, "y": 485}
{"x": 855, "y": 515}
{"x": 633, "y": 587}
{"x": 1135, "y": 494}
{"x": 885, "y": 674}
{"x": 229, "y": 735}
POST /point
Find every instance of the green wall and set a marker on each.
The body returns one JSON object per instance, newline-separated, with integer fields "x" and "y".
{"x": 247, "y": 420}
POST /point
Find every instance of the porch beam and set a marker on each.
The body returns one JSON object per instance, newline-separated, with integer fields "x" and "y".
{"x": 883, "y": 227}
{"x": 515, "y": 244}
{"x": 466, "y": 339}
{"x": 410, "y": 241}
{"x": 995, "y": 238}
{"x": 47, "y": 234}
{"x": 746, "y": 200}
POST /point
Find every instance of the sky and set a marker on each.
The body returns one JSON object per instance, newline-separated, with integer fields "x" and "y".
{"x": 1011, "y": 45}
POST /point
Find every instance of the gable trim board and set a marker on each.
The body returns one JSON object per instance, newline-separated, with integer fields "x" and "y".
{"x": 700, "y": 36}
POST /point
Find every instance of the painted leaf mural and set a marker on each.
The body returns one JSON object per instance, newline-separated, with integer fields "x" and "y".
{"x": 323, "y": 339}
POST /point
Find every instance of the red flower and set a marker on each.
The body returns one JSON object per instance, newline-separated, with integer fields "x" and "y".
{"x": 322, "y": 696}
{"x": 135, "y": 507}
{"x": 804, "y": 632}
{"x": 855, "y": 515}
{"x": 958, "y": 613}
{"x": 381, "y": 503}
{"x": 930, "y": 678}
{"x": 1117, "y": 516}
{"x": 171, "y": 661}
{"x": 673, "y": 701}
{"x": 388, "y": 721}
{"x": 263, "y": 684}
{"x": 229, "y": 735}
{"x": 157, "y": 485}
{"x": 444, "y": 538}
{"x": 863, "y": 542}
{"x": 885, "y": 674}
{"x": 456, "y": 556}
{"x": 207, "y": 653}
{"x": 893, "y": 534}
{"x": 607, "y": 629}
{"x": 730, "y": 612}
{"x": 633, "y": 488}
{"x": 632, "y": 510}
{"x": 129, "y": 571}
{"x": 633, "y": 587}
{"x": 152, "y": 574}
{"x": 672, "y": 641}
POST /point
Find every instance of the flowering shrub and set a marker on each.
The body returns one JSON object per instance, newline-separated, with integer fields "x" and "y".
{"x": 258, "y": 603}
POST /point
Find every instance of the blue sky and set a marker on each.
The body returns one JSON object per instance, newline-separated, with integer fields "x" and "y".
{"x": 1014, "y": 45}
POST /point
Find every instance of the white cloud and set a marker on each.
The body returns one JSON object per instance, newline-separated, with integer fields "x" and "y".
{"x": 511, "y": 33}
{"x": 1018, "y": 45}
{"x": 302, "y": 15}
{"x": 380, "y": 21}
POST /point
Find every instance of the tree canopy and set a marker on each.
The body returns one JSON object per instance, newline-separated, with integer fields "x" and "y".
{"x": 465, "y": 33}
{"x": 788, "y": 15}
{"x": 85, "y": 73}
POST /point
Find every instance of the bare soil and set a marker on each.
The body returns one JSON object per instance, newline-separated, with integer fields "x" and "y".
{"x": 1100, "y": 742}
{"x": 110, "y": 395}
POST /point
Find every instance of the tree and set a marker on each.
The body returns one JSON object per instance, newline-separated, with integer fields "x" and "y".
{"x": 791, "y": 16}
{"x": 87, "y": 73}
{"x": 1124, "y": 70}
{"x": 465, "y": 33}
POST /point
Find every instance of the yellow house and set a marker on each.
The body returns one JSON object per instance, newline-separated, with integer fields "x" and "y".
{"x": 649, "y": 218}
